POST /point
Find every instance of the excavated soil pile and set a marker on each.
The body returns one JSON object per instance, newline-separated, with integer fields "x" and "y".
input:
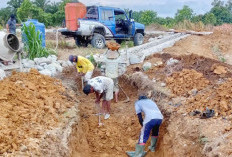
{"x": 218, "y": 98}
{"x": 181, "y": 83}
{"x": 211, "y": 69}
{"x": 31, "y": 104}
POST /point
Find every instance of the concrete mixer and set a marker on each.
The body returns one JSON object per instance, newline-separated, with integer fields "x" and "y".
{"x": 9, "y": 48}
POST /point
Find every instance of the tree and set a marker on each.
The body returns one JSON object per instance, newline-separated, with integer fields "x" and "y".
{"x": 217, "y": 3}
{"x": 25, "y": 10}
{"x": 184, "y": 14}
{"x": 15, "y": 4}
{"x": 148, "y": 17}
{"x": 209, "y": 18}
{"x": 52, "y": 8}
{"x": 41, "y": 3}
{"x": 222, "y": 14}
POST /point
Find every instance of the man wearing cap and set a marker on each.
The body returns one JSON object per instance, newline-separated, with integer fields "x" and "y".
{"x": 83, "y": 65}
{"x": 151, "y": 123}
{"x": 103, "y": 88}
{"x": 11, "y": 25}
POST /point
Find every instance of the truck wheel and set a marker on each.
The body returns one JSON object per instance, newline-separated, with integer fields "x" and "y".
{"x": 119, "y": 41}
{"x": 138, "y": 39}
{"x": 81, "y": 43}
{"x": 98, "y": 41}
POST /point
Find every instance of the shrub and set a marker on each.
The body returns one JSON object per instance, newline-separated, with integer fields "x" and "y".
{"x": 33, "y": 43}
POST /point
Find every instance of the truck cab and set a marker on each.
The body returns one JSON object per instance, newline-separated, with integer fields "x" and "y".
{"x": 103, "y": 23}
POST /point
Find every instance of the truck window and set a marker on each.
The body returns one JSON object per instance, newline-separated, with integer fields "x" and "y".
{"x": 120, "y": 15}
{"x": 92, "y": 13}
{"x": 107, "y": 15}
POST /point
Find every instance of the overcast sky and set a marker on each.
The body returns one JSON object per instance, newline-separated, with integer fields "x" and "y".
{"x": 164, "y": 8}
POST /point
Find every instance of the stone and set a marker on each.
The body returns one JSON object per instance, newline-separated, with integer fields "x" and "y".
{"x": 52, "y": 58}
{"x": 29, "y": 64}
{"x": 43, "y": 60}
{"x": 23, "y": 148}
{"x": 172, "y": 61}
{"x": 146, "y": 66}
{"x": 39, "y": 68}
{"x": 163, "y": 84}
{"x": 43, "y": 64}
{"x": 2, "y": 74}
{"x": 46, "y": 72}
{"x": 70, "y": 63}
{"x": 51, "y": 68}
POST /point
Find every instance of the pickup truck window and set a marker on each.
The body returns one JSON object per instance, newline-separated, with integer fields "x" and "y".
{"x": 92, "y": 13}
{"x": 107, "y": 15}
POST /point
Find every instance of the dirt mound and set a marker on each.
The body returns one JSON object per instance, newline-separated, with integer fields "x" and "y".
{"x": 218, "y": 98}
{"x": 203, "y": 65}
{"x": 223, "y": 29}
{"x": 181, "y": 83}
{"x": 31, "y": 104}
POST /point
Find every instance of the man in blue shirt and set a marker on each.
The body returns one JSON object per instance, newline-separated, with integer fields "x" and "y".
{"x": 151, "y": 123}
{"x": 11, "y": 25}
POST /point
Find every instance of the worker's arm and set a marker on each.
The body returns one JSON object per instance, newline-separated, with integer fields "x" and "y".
{"x": 140, "y": 117}
{"x": 7, "y": 28}
{"x": 138, "y": 111}
{"x": 98, "y": 96}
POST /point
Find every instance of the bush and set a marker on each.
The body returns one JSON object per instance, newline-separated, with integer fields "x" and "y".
{"x": 1, "y": 27}
{"x": 33, "y": 43}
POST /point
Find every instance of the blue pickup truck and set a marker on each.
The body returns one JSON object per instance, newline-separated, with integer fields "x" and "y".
{"x": 106, "y": 23}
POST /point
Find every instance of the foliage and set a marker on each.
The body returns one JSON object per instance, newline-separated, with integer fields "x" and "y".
{"x": 148, "y": 17}
{"x": 41, "y": 3}
{"x": 222, "y": 14}
{"x": 1, "y": 27}
{"x": 33, "y": 42}
{"x": 4, "y": 15}
{"x": 209, "y": 18}
{"x": 127, "y": 43}
{"x": 184, "y": 14}
{"x": 14, "y": 4}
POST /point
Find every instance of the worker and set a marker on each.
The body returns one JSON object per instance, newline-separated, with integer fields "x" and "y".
{"x": 151, "y": 123}
{"x": 11, "y": 25}
{"x": 84, "y": 66}
{"x": 103, "y": 88}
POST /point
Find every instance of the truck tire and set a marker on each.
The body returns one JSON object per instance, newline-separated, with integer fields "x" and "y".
{"x": 98, "y": 41}
{"x": 81, "y": 43}
{"x": 138, "y": 39}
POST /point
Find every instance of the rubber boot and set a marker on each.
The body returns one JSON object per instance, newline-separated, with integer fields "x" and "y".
{"x": 153, "y": 144}
{"x": 139, "y": 150}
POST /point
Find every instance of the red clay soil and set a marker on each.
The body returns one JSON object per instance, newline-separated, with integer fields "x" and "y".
{"x": 31, "y": 104}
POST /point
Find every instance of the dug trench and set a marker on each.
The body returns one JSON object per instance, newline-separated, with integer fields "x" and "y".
{"x": 121, "y": 131}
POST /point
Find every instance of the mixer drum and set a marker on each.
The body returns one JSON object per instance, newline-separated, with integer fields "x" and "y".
{"x": 9, "y": 46}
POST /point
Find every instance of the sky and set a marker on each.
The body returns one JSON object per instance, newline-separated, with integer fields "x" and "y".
{"x": 164, "y": 8}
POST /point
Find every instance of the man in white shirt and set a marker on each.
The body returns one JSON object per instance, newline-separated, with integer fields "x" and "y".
{"x": 103, "y": 87}
{"x": 151, "y": 123}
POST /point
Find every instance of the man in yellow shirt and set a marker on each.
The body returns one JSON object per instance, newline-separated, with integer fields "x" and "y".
{"x": 84, "y": 66}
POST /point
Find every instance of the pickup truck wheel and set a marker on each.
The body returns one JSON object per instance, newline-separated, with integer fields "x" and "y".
{"x": 138, "y": 39}
{"x": 81, "y": 43}
{"x": 98, "y": 41}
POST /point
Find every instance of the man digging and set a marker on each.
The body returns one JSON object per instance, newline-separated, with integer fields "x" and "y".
{"x": 151, "y": 124}
{"x": 84, "y": 66}
{"x": 103, "y": 88}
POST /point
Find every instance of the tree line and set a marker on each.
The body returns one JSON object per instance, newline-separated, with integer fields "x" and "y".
{"x": 53, "y": 13}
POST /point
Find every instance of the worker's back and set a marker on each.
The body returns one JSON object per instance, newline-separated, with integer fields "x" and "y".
{"x": 149, "y": 108}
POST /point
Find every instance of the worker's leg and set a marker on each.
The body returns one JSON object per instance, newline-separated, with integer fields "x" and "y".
{"x": 144, "y": 135}
{"x": 116, "y": 89}
{"x": 88, "y": 76}
{"x": 154, "y": 135}
{"x": 108, "y": 97}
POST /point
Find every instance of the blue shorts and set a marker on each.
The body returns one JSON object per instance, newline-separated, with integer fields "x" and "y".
{"x": 153, "y": 125}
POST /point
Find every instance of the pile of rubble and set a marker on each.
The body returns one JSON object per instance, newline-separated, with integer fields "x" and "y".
{"x": 48, "y": 66}
{"x": 31, "y": 104}
{"x": 181, "y": 83}
{"x": 218, "y": 99}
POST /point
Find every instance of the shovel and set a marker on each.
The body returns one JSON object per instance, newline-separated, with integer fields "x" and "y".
{"x": 99, "y": 115}
{"x": 127, "y": 98}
